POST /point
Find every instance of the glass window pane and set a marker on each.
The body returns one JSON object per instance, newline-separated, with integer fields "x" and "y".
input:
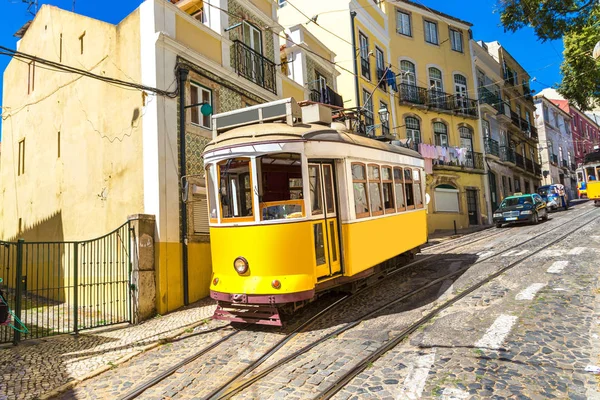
{"x": 373, "y": 172}
{"x": 358, "y": 171}
{"x": 399, "y": 188}
{"x": 329, "y": 198}
{"x": 316, "y": 196}
{"x": 375, "y": 197}
{"x": 235, "y": 189}
{"x": 407, "y": 175}
{"x": 388, "y": 195}
{"x": 319, "y": 243}
{"x": 418, "y": 195}
{"x": 210, "y": 187}
{"x": 410, "y": 200}
{"x": 193, "y": 100}
{"x": 361, "y": 204}
{"x": 386, "y": 174}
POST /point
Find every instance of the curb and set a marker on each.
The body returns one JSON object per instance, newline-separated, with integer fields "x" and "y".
{"x": 71, "y": 384}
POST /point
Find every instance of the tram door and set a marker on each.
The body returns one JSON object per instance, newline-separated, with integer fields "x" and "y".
{"x": 325, "y": 227}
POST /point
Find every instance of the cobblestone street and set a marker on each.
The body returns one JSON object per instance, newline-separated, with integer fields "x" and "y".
{"x": 528, "y": 333}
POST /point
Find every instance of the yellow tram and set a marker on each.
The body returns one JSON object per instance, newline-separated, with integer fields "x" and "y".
{"x": 591, "y": 175}
{"x": 299, "y": 204}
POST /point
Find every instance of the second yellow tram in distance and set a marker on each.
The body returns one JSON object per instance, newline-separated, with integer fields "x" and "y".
{"x": 299, "y": 205}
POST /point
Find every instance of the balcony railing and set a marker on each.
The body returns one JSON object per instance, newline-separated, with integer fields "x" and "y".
{"x": 519, "y": 160}
{"x": 488, "y": 97}
{"x": 565, "y": 164}
{"x": 325, "y": 95}
{"x": 492, "y": 147}
{"x": 529, "y": 165}
{"x": 523, "y": 125}
{"x": 537, "y": 169}
{"x": 554, "y": 158}
{"x": 438, "y": 100}
{"x": 254, "y": 66}
{"x": 507, "y": 154}
{"x": 471, "y": 159}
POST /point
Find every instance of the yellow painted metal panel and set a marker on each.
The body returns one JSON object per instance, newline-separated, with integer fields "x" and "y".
{"x": 593, "y": 190}
{"x": 193, "y": 36}
{"x": 282, "y": 251}
{"x": 199, "y": 269}
{"x": 373, "y": 241}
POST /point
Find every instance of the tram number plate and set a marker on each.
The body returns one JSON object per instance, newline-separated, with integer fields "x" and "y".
{"x": 511, "y": 219}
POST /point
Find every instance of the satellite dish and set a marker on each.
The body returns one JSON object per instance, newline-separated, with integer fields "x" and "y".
{"x": 596, "y": 52}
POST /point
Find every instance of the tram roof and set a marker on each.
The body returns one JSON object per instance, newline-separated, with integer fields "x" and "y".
{"x": 276, "y": 132}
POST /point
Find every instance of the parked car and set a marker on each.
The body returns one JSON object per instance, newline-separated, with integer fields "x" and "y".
{"x": 521, "y": 208}
{"x": 555, "y": 196}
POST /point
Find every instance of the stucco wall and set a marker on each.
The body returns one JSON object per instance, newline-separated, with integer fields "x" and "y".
{"x": 96, "y": 181}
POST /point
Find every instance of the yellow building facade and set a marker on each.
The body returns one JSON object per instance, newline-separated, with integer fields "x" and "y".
{"x": 96, "y": 153}
{"x": 433, "y": 101}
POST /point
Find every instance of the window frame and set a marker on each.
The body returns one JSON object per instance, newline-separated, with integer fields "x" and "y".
{"x": 380, "y": 189}
{"x": 250, "y": 218}
{"x": 411, "y": 183}
{"x": 200, "y": 88}
{"x": 453, "y": 32}
{"x": 439, "y": 134}
{"x": 364, "y": 72}
{"x": 425, "y": 31}
{"x": 421, "y": 203}
{"x": 413, "y": 130}
{"x": 447, "y": 190}
{"x": 392, "y": 193}
{"x": 366, "y": 182}
{"x": 409, "y": 18}
{"x": 399, "y": 208}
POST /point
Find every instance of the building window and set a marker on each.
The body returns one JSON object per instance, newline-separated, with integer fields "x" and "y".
{"x": 486, "y": 128}
{"x": 546, "y": 114}
{"x": 460, "y": 88}
{"x": 31, "y": 77}
{"x": 456, "y": 40}
{"x": 466, "y": 138}
{"x": 368, "y": 107}
{"x": 21, "y": 166}
{"x": 385, "y": 126}
{"x": 431, "y": 34}
{"x": 413, "y": 129}
{"x": 440, "y": 131}
{"x": 200, "y": 94}
{"x": 409, "y": 76}
{"x": 375, "y": 190}
{"x": 446, "y": 199}
{"x": 202, "y": 16}
{"x": 403, "y": 24}
{"x": 435, "y": 80}
{"x": 359, "y": 184}
{"x": 380, "y": 67}
{"x": 365, "y": 64}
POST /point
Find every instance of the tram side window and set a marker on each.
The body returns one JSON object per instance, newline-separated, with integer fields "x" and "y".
{"x": 399, "y": 189}
{"x": 408, "y": 186}
{"x": 212, "y": 195}
{"x": 316, "y": 195}
{"x": 280, "y": 190}
{"x": 359, "y": 184}
{"x": 375, "y": 190}
{"x": 235, "y": 188}
{"x": 388, "y": 190}
{"x": 418, "y": 190}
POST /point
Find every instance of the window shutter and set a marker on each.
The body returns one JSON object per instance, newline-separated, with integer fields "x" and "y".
{"x": 446, "y": 200}
{"x": 200, "y": 213}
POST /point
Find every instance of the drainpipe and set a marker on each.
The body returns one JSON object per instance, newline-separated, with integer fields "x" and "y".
{"x": 183, "y": 75}
{"x": 356, "y": 91}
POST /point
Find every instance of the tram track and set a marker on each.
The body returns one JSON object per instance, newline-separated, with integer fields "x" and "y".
{"x": 232, "y": 389}
{"x": 233, "y": 385}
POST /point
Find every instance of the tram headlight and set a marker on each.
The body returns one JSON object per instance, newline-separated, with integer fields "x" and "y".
{"x": 241, "y": 265}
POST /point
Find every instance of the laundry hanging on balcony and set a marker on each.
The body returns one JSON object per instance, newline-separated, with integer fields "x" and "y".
{"x": 390, "y": 78}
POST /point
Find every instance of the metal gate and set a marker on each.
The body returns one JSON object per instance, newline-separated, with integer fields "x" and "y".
{"x": 64, "y": 287}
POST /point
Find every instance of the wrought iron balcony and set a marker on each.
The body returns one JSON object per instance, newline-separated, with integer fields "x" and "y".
{"x": 537, "y": 169}
{"x": 529, "y": 165}
{"x": 519, "y": 160}
{"x": 507, "y": 154}
{"x": 524, "y": 125}
{"x": 554, "y": 159}
{"x": 488, "y": 97}
{"x": 254, "y": 66}
{"x": 437, "y": 99}
{"x": 492, "y": 147}
{"x": 325, "y": 95}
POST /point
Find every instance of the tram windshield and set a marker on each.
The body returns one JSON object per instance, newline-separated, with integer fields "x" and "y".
{"x": 280, "y": 186}
{"x": 235, "y": 188}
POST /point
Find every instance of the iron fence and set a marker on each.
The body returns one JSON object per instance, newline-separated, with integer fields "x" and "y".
{"x": 64, "y": 287}
{"x": 492, "y": 147}
{"x": 254, "y": 66}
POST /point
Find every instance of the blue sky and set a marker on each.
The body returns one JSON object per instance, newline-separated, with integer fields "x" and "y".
{"x": 541, "y": 60}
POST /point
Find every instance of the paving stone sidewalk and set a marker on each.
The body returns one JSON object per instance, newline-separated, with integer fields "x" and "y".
{"x": 38, "y": 368}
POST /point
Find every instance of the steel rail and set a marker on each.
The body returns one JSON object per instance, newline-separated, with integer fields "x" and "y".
{"x": 365, "y": 362}
{"x": 235, "y": 389}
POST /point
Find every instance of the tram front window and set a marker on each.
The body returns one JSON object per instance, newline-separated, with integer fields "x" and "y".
{"x": 280, "y": 189}
{"x": 235, "y": 188}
